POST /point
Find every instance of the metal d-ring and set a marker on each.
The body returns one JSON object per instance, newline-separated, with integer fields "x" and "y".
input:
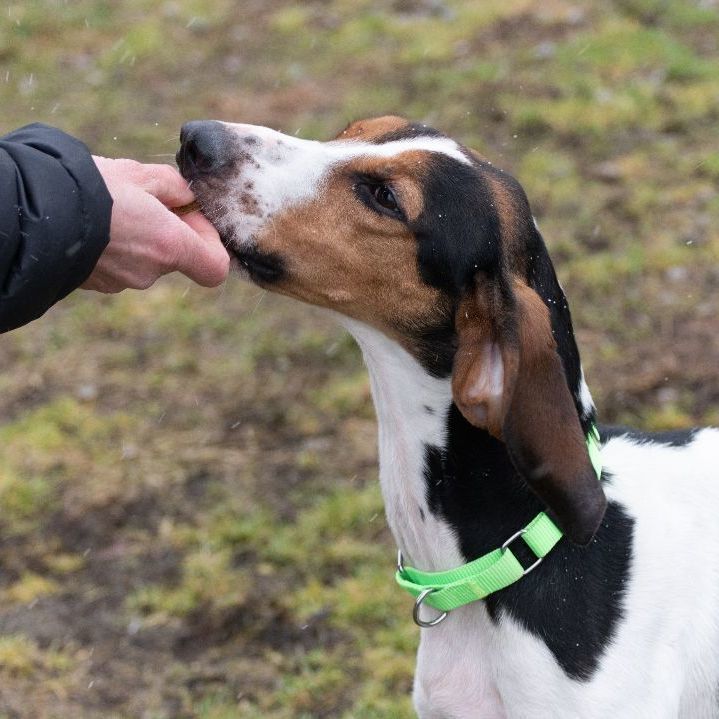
{"x": 400, "y": 562}
{"x": 418, "y": 605}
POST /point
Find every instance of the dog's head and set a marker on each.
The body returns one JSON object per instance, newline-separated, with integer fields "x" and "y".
{"x": 400, "y": 227}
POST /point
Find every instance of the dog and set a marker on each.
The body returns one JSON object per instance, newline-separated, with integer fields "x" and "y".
{"x": 431, "y": 257}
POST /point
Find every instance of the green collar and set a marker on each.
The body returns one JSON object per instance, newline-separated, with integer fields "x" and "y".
{"x": 489, "y": 573}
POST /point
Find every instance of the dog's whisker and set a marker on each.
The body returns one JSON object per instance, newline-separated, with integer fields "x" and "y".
{"x": 258, "y": 303}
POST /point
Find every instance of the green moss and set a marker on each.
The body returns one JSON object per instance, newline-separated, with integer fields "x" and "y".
{"x": 332, "y": 531}
{"x": 319, "y": 685}
{"x": 24, "y": 499}
{"x": 28, "y": 588}
{"x": 21, "y": 657}
{"x": 709, "y": 165}
{"x": 291, "y": 20}
{"x": 64, "y": 563}
{"x": 217, "y": 707}
{"x": 626, "y": 51}
{"x": 58, "y": 442}
{"x": 348, "y": 396}
{"x": 671, "y": 416}
{"x": 208, "y": 581}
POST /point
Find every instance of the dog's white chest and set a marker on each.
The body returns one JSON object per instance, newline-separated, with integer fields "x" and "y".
{"x": 455, "y": 677}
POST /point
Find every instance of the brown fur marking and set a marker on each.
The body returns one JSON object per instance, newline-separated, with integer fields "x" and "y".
{"x": 372, "y": 128}
{"x": 478, "y": 330}
{"x": 343, "y": 255}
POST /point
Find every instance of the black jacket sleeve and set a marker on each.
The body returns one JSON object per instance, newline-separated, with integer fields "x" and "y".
{"x": 54, "y": 220}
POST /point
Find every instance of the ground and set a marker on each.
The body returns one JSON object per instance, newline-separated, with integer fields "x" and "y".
{"x": 191, "y": 525}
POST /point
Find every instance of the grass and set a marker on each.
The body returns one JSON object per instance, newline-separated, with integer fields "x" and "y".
{"x": 19, "y": 656}
{"x": 191, "y": 522}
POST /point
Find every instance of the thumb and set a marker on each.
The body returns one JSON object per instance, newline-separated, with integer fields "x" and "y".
{"x": 166, "y": 184}
{"x": 201, "y": 225}
{"x": 201, "y": 255}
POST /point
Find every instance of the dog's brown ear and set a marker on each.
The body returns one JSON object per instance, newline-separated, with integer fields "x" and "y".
{"x": 372, "y": 127}
{"x": 508, "y": 379}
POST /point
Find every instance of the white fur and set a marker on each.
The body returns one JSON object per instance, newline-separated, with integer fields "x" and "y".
{"x": 402, "y": 390}
{"x": 585, "y": 398}
{"x": 285, "y": 171}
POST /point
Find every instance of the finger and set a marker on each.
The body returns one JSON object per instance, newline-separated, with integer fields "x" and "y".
{"x": 167, "y": 185}
{"x": 201, "y": 225}
{"x": 201, "y": 257}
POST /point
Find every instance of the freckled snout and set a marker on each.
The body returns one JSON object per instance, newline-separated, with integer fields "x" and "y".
{"x": 206, "y": 148}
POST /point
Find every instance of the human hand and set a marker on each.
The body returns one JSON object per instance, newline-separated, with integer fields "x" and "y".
{"x": 146, "y": 239}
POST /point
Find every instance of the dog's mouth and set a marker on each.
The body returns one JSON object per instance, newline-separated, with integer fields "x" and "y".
{"x": 263, "y": 268}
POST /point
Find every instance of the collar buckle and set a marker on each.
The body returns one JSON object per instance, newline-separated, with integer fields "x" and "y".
{"x": 516, "y": 535}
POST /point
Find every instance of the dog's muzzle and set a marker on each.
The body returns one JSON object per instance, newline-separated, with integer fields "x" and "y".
{"x": 206, "y": 148}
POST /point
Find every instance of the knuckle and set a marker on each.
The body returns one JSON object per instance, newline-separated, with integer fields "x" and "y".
{"x": 163, "y": 173}
{"x": 131, "y": 168}
{"x": 150, "y": 177}
{"x": 144, "y": 282}
{"x": 168, "y": 174}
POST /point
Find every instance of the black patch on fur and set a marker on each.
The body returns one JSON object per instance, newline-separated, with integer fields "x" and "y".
{"x": 458, "y": 232}
{"x": 421, "y": 514}
{"x": 435, "y": 347}
{"x": 573, "y": 600}
{"x": 434, "y": 476}
{"x": 671, "y": 438}
{"x": 265, "y": 268}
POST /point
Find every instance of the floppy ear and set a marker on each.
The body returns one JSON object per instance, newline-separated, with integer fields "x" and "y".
{"x": 508, "y": 379}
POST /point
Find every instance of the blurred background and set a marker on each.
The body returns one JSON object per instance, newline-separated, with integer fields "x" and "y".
{"x": 190, "y": 523}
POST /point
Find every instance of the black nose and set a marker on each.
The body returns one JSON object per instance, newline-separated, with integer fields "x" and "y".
{"x": 205, "y": 147}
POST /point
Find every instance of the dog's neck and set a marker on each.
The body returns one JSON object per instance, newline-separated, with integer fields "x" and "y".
{"x": 412, "y": 408}
{"x": 450, "y": 490}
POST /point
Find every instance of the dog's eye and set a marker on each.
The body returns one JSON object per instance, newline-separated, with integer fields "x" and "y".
{"x": 378, "y": 196}
{"x": 385, "y": 197}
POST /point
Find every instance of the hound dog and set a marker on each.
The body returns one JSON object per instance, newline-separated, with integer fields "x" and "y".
{"x": 431, "y": 256}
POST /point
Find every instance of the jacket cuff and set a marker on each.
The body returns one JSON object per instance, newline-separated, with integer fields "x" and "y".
{"x": 94, "y": 199}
